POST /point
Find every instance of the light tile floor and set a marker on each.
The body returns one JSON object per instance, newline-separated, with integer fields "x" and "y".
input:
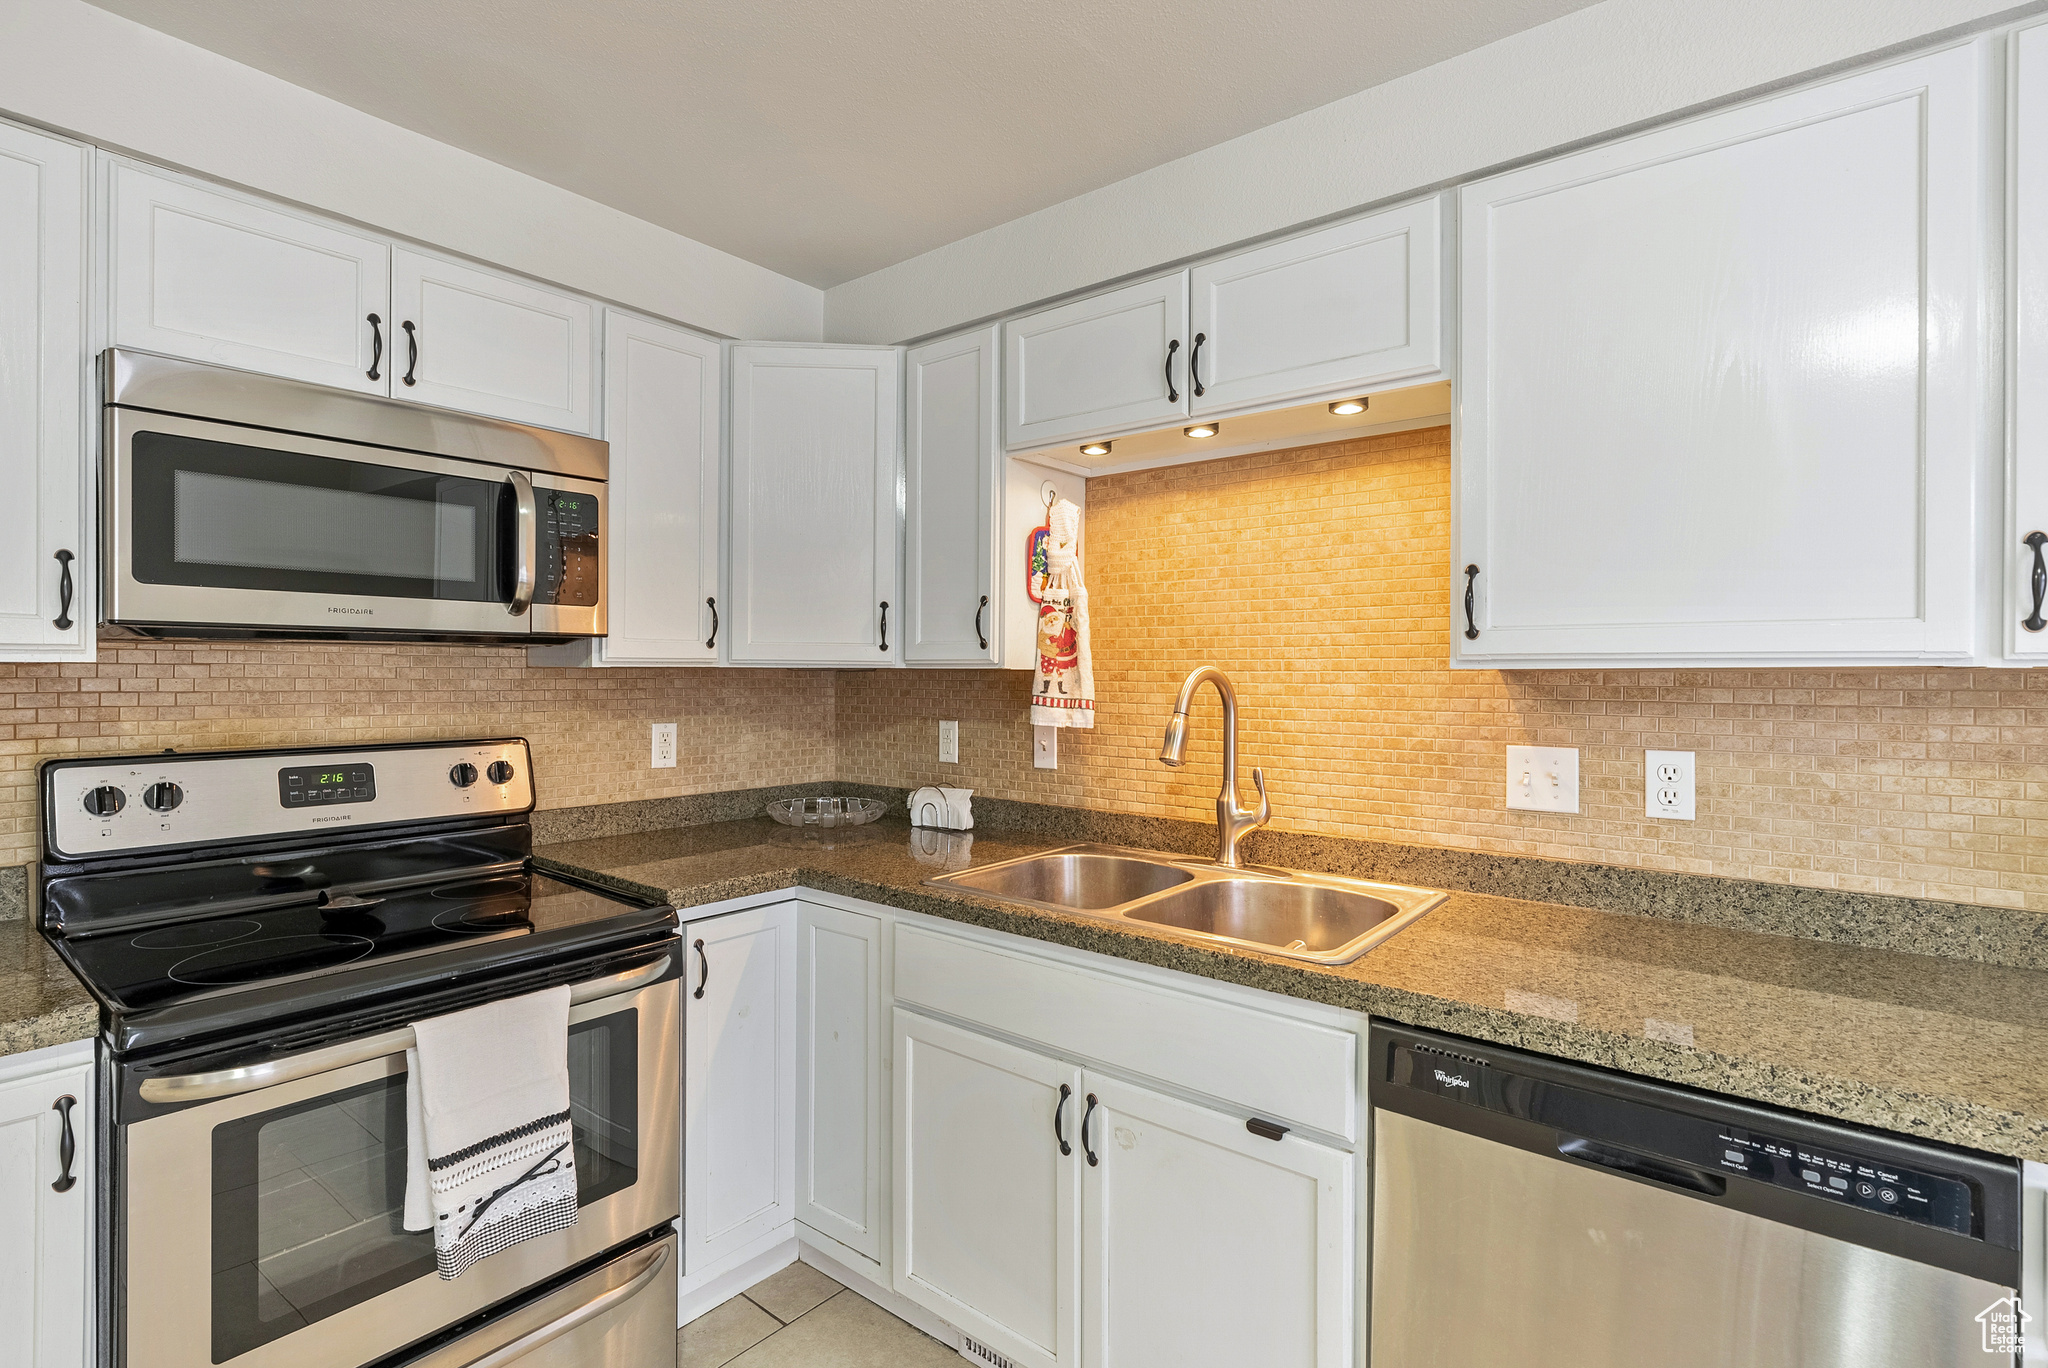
{"x": 800, "y": 1318}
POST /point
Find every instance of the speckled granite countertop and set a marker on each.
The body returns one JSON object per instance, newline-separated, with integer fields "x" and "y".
{"x": 1948, "y": 1049}
{"x": 41, "y": 1003}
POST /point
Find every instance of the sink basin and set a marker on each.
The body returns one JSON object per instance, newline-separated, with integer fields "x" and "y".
{"x": 1081, "y": 880}
{"x": 1321, "y": 918}
{"x": 1304, "y": 919}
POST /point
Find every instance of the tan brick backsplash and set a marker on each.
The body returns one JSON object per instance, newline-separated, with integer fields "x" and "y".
{"x": 1318, "y": 577}
{"x": 589, "y": 728}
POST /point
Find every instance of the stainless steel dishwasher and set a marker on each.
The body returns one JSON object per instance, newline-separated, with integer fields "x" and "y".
{"x": 1545, "y": 1215}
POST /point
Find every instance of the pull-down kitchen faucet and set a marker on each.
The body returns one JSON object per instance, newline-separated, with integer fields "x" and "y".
{"x": 1232, "y": 822}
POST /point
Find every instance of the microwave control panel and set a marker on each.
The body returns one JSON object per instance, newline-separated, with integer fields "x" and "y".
{"x": 568, "y": 572}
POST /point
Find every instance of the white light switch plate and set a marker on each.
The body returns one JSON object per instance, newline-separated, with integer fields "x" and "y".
{"x": 1668, "y": 789}
{"x": 1045, "y": 748}
{"x": 949, "y": 743}
{"x": 1543, "y": 778}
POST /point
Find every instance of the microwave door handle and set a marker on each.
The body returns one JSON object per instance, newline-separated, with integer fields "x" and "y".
{"x": 525, "y": 542}
{"x": 198, "y": 1087}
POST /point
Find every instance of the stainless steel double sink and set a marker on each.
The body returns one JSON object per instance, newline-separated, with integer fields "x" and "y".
{"x": 1321, "y": 918}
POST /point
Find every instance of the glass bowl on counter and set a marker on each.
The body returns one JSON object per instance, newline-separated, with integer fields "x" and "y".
{"x": 826, "y": 812}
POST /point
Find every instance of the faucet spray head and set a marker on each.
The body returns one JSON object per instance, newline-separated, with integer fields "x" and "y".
{"x": 1174, "y": 749}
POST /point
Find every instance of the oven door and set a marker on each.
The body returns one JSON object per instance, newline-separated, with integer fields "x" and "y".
{"x": 216, "y": 526}
{"x": 265, "y": 1228}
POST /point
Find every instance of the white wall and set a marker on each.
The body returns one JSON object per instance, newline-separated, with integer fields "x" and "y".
{"x": 109, "y": 81}
{"x": 1576, "y": 78}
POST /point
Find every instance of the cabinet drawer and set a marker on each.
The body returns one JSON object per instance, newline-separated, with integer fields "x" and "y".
{"x": 1294, "y": 1071}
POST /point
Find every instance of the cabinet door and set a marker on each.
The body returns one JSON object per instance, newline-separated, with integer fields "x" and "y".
{"x": 1347, "y": 309}
{"x": 2025, "y": 634}
{"x": 816, "y": 436}
{"x": 1096, "y": 367}
{"x": 43, "y": 441}
{"x": 1723, "y": 385}
{"x": 953, "y": 494}
{"x": 1206, "y": 1246}
{"x": 661, "y": 415}
{"x": 45, "y": 1235}
{"x": 213, "y": 277}
{"x": 739, "y": 1082}
{"x": 842, "y": 1092}
{"x": 474, "y": 340}
{"x": 986, "y": 1204}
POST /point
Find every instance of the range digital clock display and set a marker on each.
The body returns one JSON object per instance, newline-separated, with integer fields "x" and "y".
{"x": 321, "y": 785}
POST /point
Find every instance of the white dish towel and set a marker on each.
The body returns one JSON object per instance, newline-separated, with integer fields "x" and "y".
{"x": 489, "y": 1158}
{"x": 1063, "y": 684}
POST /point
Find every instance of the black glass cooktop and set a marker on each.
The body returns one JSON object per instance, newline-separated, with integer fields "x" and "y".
{"x": 332, "y": 933}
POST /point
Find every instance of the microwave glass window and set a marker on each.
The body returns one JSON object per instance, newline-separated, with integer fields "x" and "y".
{"x": 230, "y": 520}
{"x": 309, "y": 1199}
{"x": 224, "y": 516}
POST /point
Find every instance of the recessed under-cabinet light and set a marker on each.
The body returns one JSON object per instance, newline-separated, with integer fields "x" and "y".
{"x": 1095, "y": 448}
{"x": 1202, "y": 430}
{"x": 1344, "y": 408}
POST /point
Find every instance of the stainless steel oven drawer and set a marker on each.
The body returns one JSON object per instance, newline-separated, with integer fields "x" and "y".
{"x": 619, "y": 1315}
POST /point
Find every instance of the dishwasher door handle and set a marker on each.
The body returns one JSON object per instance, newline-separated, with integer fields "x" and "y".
{"x": 1635, "y": 1165}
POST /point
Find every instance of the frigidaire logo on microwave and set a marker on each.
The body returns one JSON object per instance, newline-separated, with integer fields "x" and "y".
{"x": 355, "y": 612}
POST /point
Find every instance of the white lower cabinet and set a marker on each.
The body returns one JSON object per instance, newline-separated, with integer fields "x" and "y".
{"x": 987, "y": 1192}
{"x": 739, "y": 1081}
{"x": 842, "y": 1091}
{"x": 45, "y": 1234}
{"x": 1203, "y": 1243}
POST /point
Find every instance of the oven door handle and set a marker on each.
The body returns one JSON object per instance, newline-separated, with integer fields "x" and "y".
{"x": 200, "y": 1087}
{"x": 654, "y": 1261}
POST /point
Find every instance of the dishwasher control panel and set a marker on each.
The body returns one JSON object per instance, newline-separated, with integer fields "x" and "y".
{"x": 1846, "y": 1177}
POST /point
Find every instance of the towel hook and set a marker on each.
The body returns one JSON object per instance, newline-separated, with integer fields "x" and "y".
{"x": 1051, "y": 494}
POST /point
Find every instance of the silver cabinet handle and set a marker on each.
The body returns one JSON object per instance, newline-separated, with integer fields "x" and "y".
{"x": 655, "y": 1260}
{"x": 525, "y": 542}
{"x": 199, "y": 1087}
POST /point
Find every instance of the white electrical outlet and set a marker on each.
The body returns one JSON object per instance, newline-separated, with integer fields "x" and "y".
{"x": 949, "y": 743}
{"x": 1543, "y": 778}
{"x": 663, "y": 750}
{"x": 1668, "y": 785}
{"x": 1045, "y": 748}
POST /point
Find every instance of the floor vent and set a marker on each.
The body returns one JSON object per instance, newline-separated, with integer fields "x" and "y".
{"x": 973, "y": 1349}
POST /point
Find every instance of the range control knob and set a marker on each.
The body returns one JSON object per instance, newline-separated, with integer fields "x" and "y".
{"x": 105, "y": 801}
{"x": 462, "y": 775}
{"x": 162, "y": 796}
{"x": 500, "y": 771}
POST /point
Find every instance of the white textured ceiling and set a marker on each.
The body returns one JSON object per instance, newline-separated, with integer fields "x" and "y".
{"x": 828, "y": 139}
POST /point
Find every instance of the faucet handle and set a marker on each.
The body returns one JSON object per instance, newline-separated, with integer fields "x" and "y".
{"x": 1265, "y": 812}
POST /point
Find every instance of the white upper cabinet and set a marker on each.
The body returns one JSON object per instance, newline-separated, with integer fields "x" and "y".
{"x": 214, "y": 277}
{"x": 47, "y": 600}
{"x": 486, "y": 343}
{"x": 953, "y": 497}
{"x": 1722, "y": 386}
{"x": 1115, "y": 363}
{"x": 662, "y": 397}
{"x": 2025, "y": 634}
{"x": 815, "y": 434}
{"x": 1355, "y": 307}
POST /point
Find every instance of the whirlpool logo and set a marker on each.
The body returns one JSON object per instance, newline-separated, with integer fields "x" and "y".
{"x": 355, "y": 612}
{"x": 1451, "y": 1080}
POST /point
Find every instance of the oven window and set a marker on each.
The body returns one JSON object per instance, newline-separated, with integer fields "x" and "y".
{"x": 309, "y": 1200}
{"x": 218, "y": 515}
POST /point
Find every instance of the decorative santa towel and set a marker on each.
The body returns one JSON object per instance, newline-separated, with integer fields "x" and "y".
{"x": 490, "y": 1153}
{"x": 1063, "y": 682}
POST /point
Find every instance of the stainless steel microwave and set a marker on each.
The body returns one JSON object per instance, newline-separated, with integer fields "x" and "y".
{"x": 241, "y": 505}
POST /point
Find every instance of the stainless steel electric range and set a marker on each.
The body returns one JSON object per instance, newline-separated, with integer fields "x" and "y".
{"x": 260, "y": 929}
